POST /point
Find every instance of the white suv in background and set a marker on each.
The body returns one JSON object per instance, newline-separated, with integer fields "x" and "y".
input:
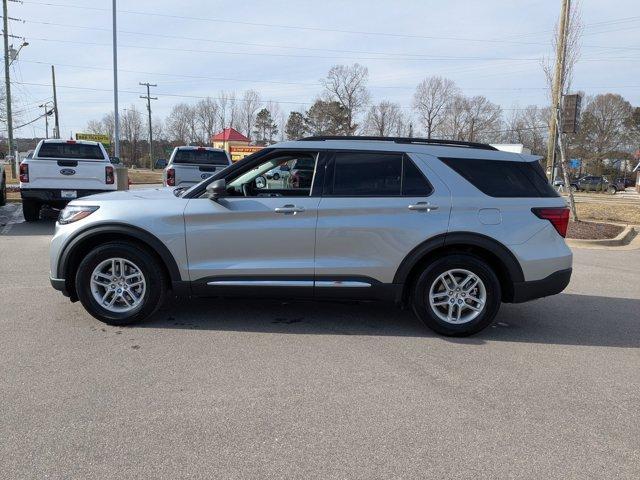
{"x": 190, "y": 165}
{"x": 62, "y": 170}
{"x": 451, "y": 229}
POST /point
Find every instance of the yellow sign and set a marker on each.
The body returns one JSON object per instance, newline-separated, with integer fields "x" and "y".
{"x": 238, "y": 153}
{"x": 94, "y": 137}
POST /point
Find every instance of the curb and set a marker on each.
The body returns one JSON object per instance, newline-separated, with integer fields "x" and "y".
{"x": 625, "y": 238}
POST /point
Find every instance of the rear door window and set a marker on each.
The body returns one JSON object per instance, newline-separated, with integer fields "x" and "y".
{"x": 76, "y": 151}
{"x": 498, "y": 178}
{"x": 375, "y": 174}
{"x": 200, "y": 157}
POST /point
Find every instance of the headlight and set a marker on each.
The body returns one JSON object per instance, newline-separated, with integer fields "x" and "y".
{"x": 74, "y": 213}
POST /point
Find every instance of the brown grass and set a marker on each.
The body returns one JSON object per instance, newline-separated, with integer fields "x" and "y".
{"x": 624, "y": 213}
{"x": 144, "y": 175}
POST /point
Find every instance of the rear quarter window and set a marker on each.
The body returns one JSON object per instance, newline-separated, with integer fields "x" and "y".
{"x": 200, "y": 157}
{"x": 498, "y": 178}
{"x": 75, "y": 151}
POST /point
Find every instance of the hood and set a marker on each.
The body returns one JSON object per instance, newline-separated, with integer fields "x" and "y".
{"x": 128, "y": 195}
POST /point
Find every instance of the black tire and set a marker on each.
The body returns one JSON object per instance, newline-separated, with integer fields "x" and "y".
{"x": 475, "y": 265}
{"x": 612, "y": 190}
{"x": 30, "y": 210}
{"x": 276, "y": 176}
{"x": 156, "y": 283}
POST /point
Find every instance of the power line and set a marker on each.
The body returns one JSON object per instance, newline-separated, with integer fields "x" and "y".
{"x": 288, "y": 27}
{"x": 287, "y": 55}
{"x": 265, "y": 45}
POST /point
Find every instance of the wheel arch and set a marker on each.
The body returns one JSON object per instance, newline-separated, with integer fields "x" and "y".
{"x": 83, "y": 241}
{"x": 498, "y": 256}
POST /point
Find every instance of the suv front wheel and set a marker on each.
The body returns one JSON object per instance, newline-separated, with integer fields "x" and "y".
{"x": 120, "y": 283}
{"x": 457, "y": 295}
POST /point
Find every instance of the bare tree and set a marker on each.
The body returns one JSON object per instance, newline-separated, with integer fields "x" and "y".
{"x": 454, "y": 122}
{"x": 132, "y": 132}
{"x": 206, "y": 117}
{"x": 385, "y": 119}
{"x": 95, "y": 126}
{"x": 527, "y": 126}
{"x": 431, "y": 100}
{"x": 483, "y": 119}
{"x": 178, "y": 123}
{"x": 347, "y": 86}
{"x": 248, "y": 108}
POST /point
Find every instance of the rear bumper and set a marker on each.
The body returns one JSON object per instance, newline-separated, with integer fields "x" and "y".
{"x": 551, "y": 285}
{"x": 54, "y": 195}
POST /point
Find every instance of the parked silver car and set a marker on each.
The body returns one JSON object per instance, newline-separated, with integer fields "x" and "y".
{"x": 451, "y": 229}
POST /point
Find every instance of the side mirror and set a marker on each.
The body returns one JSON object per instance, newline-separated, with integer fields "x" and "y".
{"x": 261, "y": 182}
{"x": 217, "y": 189}
{"x": 115, "y": 160}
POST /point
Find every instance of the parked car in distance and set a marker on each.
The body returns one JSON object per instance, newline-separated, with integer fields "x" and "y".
{"x": 190, "y": 165}
{"x": 281, "y": 172}
{"x": 626, "y": 182}
{"x": 449, "y": 229}
{"x": 62, "y": 170}
{"x": 160, "y": 163}
{"x": 593, "y": 183}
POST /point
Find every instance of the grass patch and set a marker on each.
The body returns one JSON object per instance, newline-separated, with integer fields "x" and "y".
{"x": 623, "y": 213}
{"x": 144, "y": 175}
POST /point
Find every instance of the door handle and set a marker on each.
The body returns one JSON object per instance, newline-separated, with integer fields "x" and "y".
{"x": 287, "y": 209}
{"x": 423, "y": 206}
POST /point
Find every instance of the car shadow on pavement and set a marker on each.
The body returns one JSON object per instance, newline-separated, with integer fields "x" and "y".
{"x": 21, "y": 229}
{"x": 565, "y": 319}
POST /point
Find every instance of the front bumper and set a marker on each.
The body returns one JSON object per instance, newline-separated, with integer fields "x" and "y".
{"x": 551, "y": 285}
{"x": 60, "y": 285}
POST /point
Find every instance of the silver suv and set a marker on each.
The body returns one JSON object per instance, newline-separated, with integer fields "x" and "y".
{"x": 451, "y": 229}
{"x": 190, "y": 165}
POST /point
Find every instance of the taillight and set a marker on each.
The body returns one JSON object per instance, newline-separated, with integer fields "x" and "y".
{"x": 558, "y": 216}
{"x": 171, "y": 177}
{"x": 108, "y": 175}
{"x": 24, "y": 173}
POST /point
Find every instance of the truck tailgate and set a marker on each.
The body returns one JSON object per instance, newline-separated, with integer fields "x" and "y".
{"x": 68, "y": 174}
{"x": 190, "y": 174}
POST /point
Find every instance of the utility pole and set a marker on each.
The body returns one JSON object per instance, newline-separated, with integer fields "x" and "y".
{"x": 558, "y": 83}
{"x": 46, "y": 118}
{"x": 56, "y": 124}
{"x": 148, "y": 97}
{"x": 116, "y": 114}
{"x": 7, "y": 82}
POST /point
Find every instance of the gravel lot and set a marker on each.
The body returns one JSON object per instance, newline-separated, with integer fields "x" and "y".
{"x": 212, "y": 389}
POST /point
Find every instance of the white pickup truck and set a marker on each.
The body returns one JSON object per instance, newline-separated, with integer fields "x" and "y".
{"x": 61, "y": 170}
{"x": 190, "y": 165}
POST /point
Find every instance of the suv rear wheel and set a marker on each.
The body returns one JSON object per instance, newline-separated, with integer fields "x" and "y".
{"x": 30, "y": 210}
{"x": 120, "y": 283}
{"x": 457, "y": 295}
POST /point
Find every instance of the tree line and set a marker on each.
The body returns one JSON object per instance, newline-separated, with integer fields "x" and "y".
{"x": 610, "y": 125}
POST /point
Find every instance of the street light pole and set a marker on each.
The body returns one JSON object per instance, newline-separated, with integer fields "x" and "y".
{"x": 116, "y": 115}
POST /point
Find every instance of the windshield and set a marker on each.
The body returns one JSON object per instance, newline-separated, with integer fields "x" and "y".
{"x": 76, "y": 151}
{"x": 200, "y": 157}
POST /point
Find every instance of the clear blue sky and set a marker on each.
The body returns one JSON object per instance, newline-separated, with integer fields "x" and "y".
{"x": 282, "y": 48}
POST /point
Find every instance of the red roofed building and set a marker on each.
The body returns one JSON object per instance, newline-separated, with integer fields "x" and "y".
{"x": 229, "y": 137}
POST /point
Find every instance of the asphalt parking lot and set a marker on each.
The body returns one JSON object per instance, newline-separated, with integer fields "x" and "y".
{"x": 237, "y": 389}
